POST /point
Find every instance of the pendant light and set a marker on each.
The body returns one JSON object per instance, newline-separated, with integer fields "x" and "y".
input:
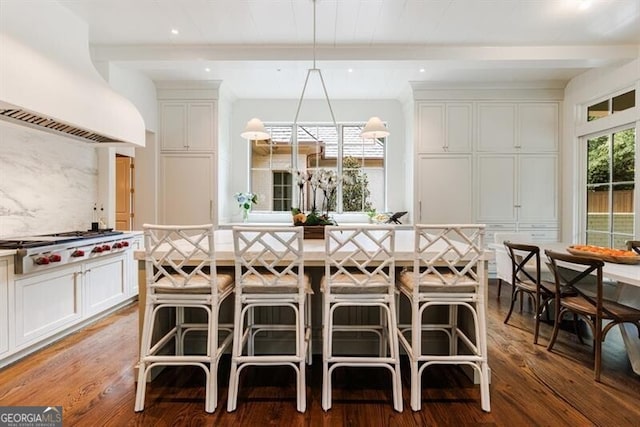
{"x": 255, "y": 131}
{"x": 374, "y": 129}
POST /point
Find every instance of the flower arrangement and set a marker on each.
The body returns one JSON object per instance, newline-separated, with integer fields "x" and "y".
{"x": 323, "y": 183}
{"x": 245, "y": 202}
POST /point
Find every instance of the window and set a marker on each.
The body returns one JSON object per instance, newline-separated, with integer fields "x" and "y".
{"x": 610, "y": 188}
{"x": 611, "y": 106}
{"x": 359, "y": 162}
{"x": 282, "y": 191}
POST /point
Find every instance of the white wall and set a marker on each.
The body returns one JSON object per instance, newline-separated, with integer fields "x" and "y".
{"x": 141, "y": 91}
{"x": 583, "y": 90}
{"x": 408, "y": 108}
{"x": 313, "y": 110}
{"x": 225, "y": 143}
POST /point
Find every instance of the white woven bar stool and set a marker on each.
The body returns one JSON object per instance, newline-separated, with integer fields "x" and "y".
{"x": 448, "y": 270}
{"x": 270, "y": 274}
{"x": 360, "y": 272}
{"x": 181, "y": 273}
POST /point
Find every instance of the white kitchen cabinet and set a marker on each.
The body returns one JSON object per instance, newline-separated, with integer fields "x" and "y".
{"x": 497, "y": 183}
{"x": 537, "y": 188}
{"x": 5, "y": 264}
{"x": 187, "y": 188}
{"x": 444, "y": 188}
{"x": 538, "y": 127}
{"x": 187, "y": 125}
{"x": 38, "y": 308}
{"x": 514, "y": 188}
{"x": 137, "y": 244}
{"x": 496, "y": 127}
{"x": 444, "y": 127}
{"x": 540, "y": 233}
{"x": 46, "y": 303}
{"x": 527, "y": 127}
{"x": 105, "y": 283}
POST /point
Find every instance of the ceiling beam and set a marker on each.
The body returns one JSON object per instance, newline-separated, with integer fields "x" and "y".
{"x": 362, "y": 53}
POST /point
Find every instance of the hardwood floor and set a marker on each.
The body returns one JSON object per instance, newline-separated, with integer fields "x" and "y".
{"x": 91, "y": 375}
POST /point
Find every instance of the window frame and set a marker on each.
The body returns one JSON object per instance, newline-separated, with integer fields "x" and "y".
{"x": 338, "y": 167}
{"x": 583, "y": 214}
{"x": 609, "y": 100}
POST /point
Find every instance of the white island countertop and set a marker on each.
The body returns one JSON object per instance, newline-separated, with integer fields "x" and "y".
{"x": 314, "y": 249}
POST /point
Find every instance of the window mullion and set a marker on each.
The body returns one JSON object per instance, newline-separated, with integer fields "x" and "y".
{"x": 339, "y": 156}
{"x": 611, "y": 165}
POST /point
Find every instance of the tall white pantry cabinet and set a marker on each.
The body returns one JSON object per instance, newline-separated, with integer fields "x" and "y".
{"x": 187, "y": 141}
{"x": 493, "y": 162}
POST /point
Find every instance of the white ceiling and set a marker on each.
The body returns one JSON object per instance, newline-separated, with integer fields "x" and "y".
{"x": 262, "y": 48}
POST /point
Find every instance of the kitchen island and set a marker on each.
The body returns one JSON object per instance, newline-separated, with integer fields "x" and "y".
{"x": 314, "y": 261}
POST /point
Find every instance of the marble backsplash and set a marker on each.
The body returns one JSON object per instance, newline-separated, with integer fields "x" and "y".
{"x": 47, "y": 183}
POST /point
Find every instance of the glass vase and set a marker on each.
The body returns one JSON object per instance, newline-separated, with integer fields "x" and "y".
{"x": 245, "y": 215}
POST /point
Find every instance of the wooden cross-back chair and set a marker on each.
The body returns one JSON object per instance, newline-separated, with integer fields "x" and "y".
{"x": 570, "y": 271}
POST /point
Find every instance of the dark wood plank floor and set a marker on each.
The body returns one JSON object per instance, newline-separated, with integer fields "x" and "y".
{"x": 90, "y": 374}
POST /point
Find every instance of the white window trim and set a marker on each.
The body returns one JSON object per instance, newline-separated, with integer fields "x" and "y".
{"x": 581, "y": 162}
{"x": 349, "y": 217}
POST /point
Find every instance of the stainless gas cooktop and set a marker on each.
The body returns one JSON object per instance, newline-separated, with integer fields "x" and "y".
{"x": 53, "y": 239}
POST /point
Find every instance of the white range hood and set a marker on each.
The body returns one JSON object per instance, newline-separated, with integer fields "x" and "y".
{"x": 47, "y": 79}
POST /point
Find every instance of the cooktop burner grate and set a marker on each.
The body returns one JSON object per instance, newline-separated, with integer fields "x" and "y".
{"x": 54, "y": 239}
{"x": 23, "y": 244}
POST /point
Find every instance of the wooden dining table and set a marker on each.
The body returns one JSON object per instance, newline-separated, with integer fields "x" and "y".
{"x": 628, "y": 292}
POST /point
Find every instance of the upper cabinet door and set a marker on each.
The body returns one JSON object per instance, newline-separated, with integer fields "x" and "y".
{"x": 518, "y": 127}
{"x": 187, "y": 126}
{"x": 201, "y": 125}
{"x": 173, "y": 125}
{"x": 497, "y": 127}
{"x": 444, "y": 127}
{"x": 430, "y": 128}
{"x": 538, "y": 127}
{"x": 459, "y": 128}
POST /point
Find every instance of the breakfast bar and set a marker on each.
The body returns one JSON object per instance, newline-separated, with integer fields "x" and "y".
{"x": 314, "y": 259}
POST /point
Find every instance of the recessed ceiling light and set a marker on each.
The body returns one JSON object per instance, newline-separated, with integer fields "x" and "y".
{"x": 422, "y": 70}
{"x": 584, "y": 4}
{"x": 207, "y": 69}
{"x": 175, "y": 31}
{"x": 350, "y": 70}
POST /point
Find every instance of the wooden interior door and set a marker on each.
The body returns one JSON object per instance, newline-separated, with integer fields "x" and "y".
{"x": 124, "y": 192}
